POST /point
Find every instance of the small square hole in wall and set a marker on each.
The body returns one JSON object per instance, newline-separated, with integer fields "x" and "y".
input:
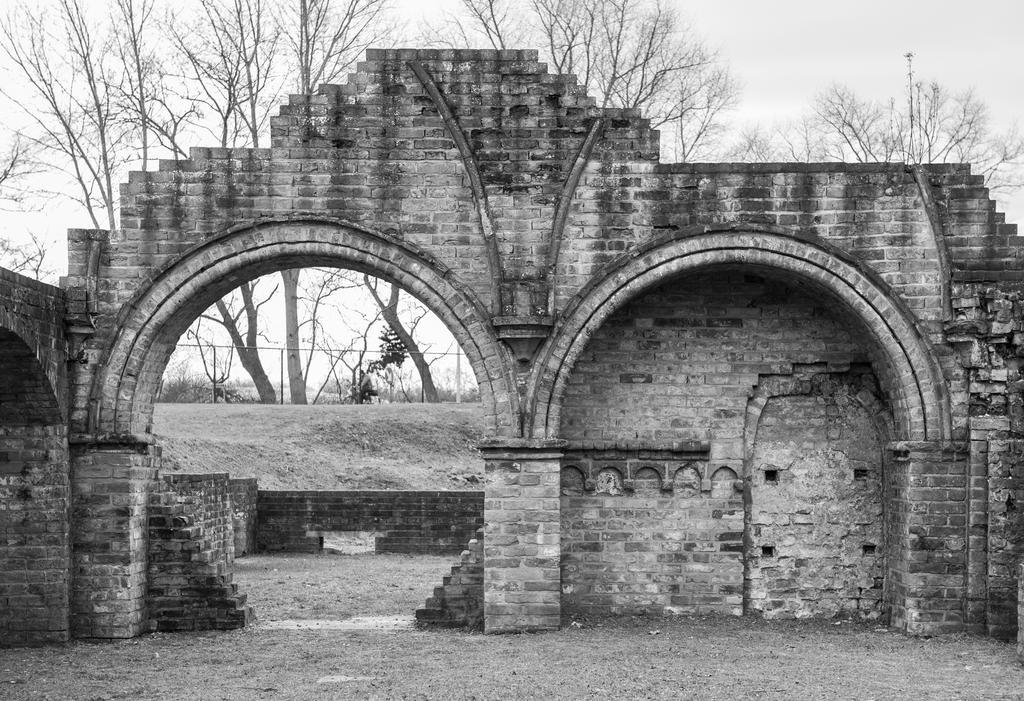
{"x": 860, "y": 473}
{"x": 771, "y": 476}
{"x": 868, "y": 548}
{"x": 767, "y": 551}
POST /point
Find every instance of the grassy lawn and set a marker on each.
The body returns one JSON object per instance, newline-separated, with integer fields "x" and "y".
{"x": 632, "y": 658}
{"x": 370, "y": 446}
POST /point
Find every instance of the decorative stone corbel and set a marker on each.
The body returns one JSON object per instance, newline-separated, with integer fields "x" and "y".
{"x": 525, "y": 320}
{"x": 78, "y": 324}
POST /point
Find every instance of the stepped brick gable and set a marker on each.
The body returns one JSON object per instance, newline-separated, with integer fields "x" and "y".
{"x": 776, "y": 389}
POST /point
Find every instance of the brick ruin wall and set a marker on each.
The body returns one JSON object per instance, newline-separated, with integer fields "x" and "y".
{"x": 645, "y": 335}
{"x": 34, "y": 481}
{"x": 790, "y": 525}
{"x": 425, "y": 523}
{"x": 191, "y": 531}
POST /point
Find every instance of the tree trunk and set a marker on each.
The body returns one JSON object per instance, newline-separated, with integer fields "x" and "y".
{"x": 296, "y": 382}
{"x": 389, "y": 311}
{"x": 246, "y": 348}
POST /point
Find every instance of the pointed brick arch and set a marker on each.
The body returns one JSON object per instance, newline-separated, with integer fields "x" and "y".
{"x": 920, "y": 401}
{"x": 123, "y": 392}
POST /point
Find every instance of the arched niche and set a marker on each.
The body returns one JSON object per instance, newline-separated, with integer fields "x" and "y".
{"x": 908, "y": 367}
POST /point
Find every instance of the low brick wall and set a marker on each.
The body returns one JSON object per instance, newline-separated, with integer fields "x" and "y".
{"x": 191, "y": 548}
{"x": 426, "y": 523}
{"x": 243, "y": 504}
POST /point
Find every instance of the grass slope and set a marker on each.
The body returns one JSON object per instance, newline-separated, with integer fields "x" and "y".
{"x": 374, "y": 446}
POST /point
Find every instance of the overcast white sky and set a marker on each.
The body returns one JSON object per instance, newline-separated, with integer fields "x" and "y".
{"x": 784, "y": 52}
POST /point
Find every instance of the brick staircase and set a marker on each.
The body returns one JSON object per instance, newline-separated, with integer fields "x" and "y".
{"x": 191, "y": 547}
{"x": 459, "y": 601}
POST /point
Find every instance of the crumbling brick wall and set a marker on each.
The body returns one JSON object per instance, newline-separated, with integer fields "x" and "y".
{"x": 682, "y": 363}
{"x": 191, "y": 548}
{"x": 816, "y": 539}
{"x": 650, "y": 533}
{"x": 426, "y": 523}
{"x": 527, "y": 217}
{"x": 459, "y": 601}
{"x": 35, "y": 553}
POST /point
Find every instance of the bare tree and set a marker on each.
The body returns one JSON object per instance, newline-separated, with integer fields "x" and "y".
{"x": 293, "y": 353}
{"x": 130, "y": 21}
{"x": 78, "y": 119}
{"x": 242, "y": 324}
{"x": 154, "y": 99}
{"x": 217, "y": 369}
{"x": 350, "y": 352}
{"x": 860, "y": 130}
{"x": 325, "y": 38}
{"x": 229, "y": 52}
{"x": 389, "y": 311}
{"x": 753, "y": 143}
{"x": 629, "y": 54}
{"x": 941, "y": 126}
{"x": 16, "y": 166}
{"x": 28, "y": 258}
{"x": 499, "y": 23}
{"x": 804, "y": 140}
{"x": 931, "y": 124}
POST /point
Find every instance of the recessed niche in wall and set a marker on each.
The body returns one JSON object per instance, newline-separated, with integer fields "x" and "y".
{"x": 723, "y": 483}
{"x": 868, "y": 548}
{"x": 572, "y": 480}
{"x": 767, "y": 551}
{"x": 647, "y": 479}
{"x": 771, "y": 476}
{"x": 860, "y": 473}
{"x": 686, "y": 482}
{"x": 609, "y": 481}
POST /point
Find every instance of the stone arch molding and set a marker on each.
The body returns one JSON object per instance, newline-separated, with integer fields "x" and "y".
{"x": 123, "y": 390}
{"x": 921, "y": 404}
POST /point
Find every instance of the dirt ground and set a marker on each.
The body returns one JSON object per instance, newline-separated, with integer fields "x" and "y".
{"x": 632, "y": 658}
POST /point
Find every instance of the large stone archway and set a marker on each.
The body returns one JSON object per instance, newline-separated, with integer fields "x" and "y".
{"x": 116, "y": 454}
{"x": 123, "y": 390}
{"x": 903, "y": 359}
{"x": 921, "y": 401}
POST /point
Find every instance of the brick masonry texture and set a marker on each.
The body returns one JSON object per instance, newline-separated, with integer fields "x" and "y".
{"x": 35, "y": 549}
{"x": 458, "y": 602}
{"x": 424, "y": 523}
{"x": 191, "y": 549}
{"x": 848, "y": 334}
{"x": 244, "y": 496}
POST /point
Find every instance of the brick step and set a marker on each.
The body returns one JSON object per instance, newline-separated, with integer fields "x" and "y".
{"x": 458, "y": 602}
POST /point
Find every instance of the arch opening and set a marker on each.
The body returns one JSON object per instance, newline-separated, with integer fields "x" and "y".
{"x": 150, "y": 325}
